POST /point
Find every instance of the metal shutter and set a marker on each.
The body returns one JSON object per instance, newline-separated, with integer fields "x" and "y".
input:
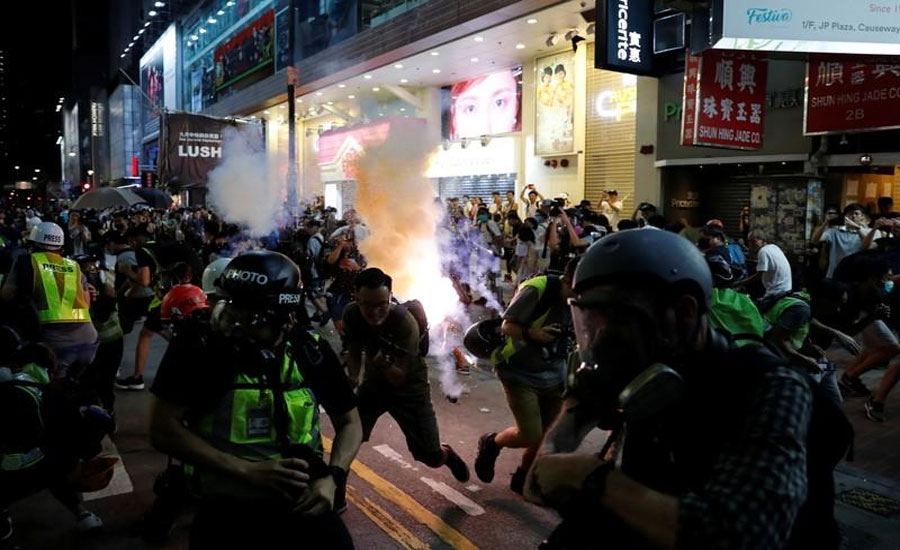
{"x": 476, "y": 186}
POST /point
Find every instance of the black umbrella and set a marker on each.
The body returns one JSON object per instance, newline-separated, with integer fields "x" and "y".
{"x": 156, "y": 198}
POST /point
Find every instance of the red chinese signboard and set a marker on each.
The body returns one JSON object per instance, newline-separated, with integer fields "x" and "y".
{"x": 691, "y": 85}
{"x": 850, "y": 96}
{"x": 730, "y": 100}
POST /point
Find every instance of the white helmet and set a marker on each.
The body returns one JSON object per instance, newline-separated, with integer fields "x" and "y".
{"x": 211, "y": 276}
{"x": 48, "y": 235}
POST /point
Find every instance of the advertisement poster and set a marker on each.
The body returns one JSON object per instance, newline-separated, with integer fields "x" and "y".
{"x": 844, "y": 95}
{"x": 487, "y": 105}
{"x": 554, "y": 106}
{"x": 247, "y": 57}
{"x": 731, "y": 100}
{"x": 152, "y": 86}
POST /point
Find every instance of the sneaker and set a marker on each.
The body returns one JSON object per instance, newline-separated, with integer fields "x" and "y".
{"x": 874, "y": 410}
{"x": 853, "y": 387}
{"x": 456, "y": 464}
{"x": 517, "y": 483}
{"x": 131, "y": 383}
{"x": 488, "y": 451}
{"x": 6, "y": 525}
{"x": 88, "y": 521}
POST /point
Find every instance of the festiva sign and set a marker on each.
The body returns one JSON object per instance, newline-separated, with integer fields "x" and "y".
{"x": 845, "y": 26}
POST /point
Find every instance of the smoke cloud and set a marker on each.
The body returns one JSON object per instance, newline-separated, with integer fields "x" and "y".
{"x": 249, "y": 186}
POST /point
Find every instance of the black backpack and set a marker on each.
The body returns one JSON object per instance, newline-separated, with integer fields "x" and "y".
{"x": 415, "y": 308}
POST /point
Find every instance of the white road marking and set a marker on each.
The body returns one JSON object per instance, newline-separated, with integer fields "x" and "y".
{"x": 392, "y": 455}
{"x": 468, "y": 506}
{"x": 121, "y": 481}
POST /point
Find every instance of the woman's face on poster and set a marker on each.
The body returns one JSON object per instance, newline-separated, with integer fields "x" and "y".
{"x": 489, "y": 107}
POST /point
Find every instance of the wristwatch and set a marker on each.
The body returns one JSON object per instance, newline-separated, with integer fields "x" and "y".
{"x": 595, "y": 483}
{"x": 338, "y": 474}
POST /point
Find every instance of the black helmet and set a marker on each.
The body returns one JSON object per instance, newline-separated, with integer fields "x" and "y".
{"x": 262, "y": 278}
{"x": 721, "y": 271}
{"x": 645, "y": 252}
{"x": 483, "y": 337}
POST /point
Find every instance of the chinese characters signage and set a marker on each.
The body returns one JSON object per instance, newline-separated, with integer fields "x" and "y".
{"x": 848, "y": 96}
{"x": 726, "y": 101}
{"x": 628, "y": 28}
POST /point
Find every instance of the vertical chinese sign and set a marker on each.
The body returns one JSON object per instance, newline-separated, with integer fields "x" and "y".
{"x": 850, "y": 96}
{"x": 689, "y": 109}
{"x": 728, "y": 106}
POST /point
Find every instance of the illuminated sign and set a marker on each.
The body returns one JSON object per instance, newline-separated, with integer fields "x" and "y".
{"x": 627, "y": 26}
{"x": 614, "y": 104}
{"x": 497, "y": 157}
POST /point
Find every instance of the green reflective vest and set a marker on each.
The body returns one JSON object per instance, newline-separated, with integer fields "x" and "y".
{"x": 510, "y": 346}
{"x": 30, "y": 380}
{"x": 58, "y": 293}
{"x": 736, "y": 314}
{"x": 798, "y": 337}
{"x": 244, "y": 425}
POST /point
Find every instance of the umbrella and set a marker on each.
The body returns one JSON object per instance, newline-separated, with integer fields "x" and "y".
{"x": 102, "y": 198}
{"x": 157, "y": 198}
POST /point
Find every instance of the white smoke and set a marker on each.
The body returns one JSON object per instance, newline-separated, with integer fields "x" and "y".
{"x": 249, "y": 186}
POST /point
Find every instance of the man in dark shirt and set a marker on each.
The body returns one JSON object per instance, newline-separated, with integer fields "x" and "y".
{"x": 396, "y": 377}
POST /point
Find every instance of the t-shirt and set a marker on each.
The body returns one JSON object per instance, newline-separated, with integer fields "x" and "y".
{"x": 397, "y": 336}
{"x": 775, "y": 269}
{"x": 606, "y": 208}
{"x": 842, "y": 243}
{"x": 129, "y": 258}
{"x": 196, "y": 376}
{"x": 530, "y": 366}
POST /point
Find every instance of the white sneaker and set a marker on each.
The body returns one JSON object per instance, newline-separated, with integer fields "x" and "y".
{"x": 88, "y": 521}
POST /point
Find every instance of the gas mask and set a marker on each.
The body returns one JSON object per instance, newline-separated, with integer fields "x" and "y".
{"x": 254, "y": 334}
{"x": 619, "y": 340}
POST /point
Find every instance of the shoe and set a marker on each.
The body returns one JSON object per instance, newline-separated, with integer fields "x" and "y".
{"x": 131, "y": 383}
{"x": 853, "y": 387}
{"x": 6, "y": 525}
{"x": 488, "y": 451}
{"x": 456, "y": 464}
{"x": 874, "y": 410}
{"x": 517, "y": 483}
{"x": 88, "y": 521}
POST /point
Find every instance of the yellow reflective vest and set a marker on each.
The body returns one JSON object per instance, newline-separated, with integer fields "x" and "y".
{"x": 58, "y": 293}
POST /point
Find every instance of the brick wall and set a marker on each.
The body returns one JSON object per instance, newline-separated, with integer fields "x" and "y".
{"x": 430, "y": 25}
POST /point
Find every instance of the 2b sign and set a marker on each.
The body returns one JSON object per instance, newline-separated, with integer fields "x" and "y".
{"x": 725, "y": 105}
{"x": 848, "y": 96}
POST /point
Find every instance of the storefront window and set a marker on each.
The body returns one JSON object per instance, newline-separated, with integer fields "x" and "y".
{"x": 374, "y": 13}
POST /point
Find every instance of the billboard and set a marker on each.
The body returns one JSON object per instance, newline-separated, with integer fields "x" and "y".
{"x": 627, "y": 26}
{"x": 554, "y": 105}
{"x": 158, "y": 79}
{"x": 855, "y": 26}
{"x": 486, "y": 105}
{"x": 246, "y": 57}
{"x": 192, "y": 147}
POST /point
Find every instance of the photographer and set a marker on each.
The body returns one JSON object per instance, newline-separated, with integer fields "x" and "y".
{"x": 723, "y": 447}
{"x": 531, "y": 367}
{"x": 242, "y": 407}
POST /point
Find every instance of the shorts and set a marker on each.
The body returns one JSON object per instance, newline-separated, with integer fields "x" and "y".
{"x": 336, "y": 304}
{"x": 413, "y": 412}
{"x": 534, "y": 409}
{"x": 876, "y": 335}
{"x": 154, "y": 322}
{"x": 132, "y": 309}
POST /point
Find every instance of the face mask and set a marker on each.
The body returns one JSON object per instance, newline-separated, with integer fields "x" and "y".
{"x": 888, "y": 287}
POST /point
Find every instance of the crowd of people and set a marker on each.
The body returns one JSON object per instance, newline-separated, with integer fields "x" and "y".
{"x": 588, "y": 317}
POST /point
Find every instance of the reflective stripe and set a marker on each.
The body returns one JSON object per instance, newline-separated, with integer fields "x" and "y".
{"x": 512, "y": 346}
{"x": 60, "y": 309}
{"x": 19, "y": 461}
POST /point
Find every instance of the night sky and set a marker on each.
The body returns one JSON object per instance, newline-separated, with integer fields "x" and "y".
{"x": 36, "y": 39}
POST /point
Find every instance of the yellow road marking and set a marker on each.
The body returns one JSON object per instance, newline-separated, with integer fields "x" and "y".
{"x": 388, "y": 524}
{"x": 421, "y": 514}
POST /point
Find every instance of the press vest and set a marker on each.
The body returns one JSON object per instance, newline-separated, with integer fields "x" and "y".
{"x": 798, "y": 337}
{"x": 735, "y": 313}
{"x": 30, "y": 380}
{"x": 58, "y": 293}
{"x": 244, "y": 425}
{"x": 511, "y": 346}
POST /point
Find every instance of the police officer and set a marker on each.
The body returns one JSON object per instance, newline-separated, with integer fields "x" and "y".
{"x": 718, "y": 449}
{"x": 60, "y": 296}
{"x": 241, "y": 407}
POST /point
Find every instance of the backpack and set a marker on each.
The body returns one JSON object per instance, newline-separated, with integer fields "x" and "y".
{"x": 415, "y": 308}
{"x": 306, "y": 262}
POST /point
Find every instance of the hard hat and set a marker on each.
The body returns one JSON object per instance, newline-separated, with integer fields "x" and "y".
{"x": 262, "y": 279}
{"x": 211, "y": 274}
{"x": 48, "y": 235}
{"x": 95, "y": 474}
{"x": 483, "y": 338}
{"x": 182, "y": 301}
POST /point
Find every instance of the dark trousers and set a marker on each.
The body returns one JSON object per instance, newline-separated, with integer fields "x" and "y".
{"x": 101, "y": 375}
{"x": 236, "y": 524}
{"x": 20, "y": 484}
